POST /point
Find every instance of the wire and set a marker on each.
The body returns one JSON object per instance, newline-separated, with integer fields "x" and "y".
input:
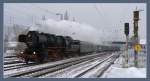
{"x": 100, "y": 14}
{"x": 98, "y": 11}
{"x": 46, "y": 10}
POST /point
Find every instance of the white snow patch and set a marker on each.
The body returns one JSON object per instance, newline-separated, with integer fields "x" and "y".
{"x": 11, "y": 44}
{"x": 116, "y": 71}
{"x": 132, "y": 72}
{"x": 142, "y": 41}
{"x": 10, "y": 51}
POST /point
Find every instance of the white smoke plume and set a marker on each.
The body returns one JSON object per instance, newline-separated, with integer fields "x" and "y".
{"x": 78, "y": 31}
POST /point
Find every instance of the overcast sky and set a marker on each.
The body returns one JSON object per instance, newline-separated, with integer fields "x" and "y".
{"x": 107, "y": 17}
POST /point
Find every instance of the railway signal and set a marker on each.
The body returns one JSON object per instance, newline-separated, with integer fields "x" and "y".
{"x": 126, "y": 31}
{"x": 136, "y": 39}
{"x": 136, "y": 19}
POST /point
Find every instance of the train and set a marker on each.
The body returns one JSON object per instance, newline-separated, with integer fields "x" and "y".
{"x": 43, "y": 47}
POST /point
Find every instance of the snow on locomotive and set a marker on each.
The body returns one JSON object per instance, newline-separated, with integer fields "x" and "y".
{"x": 45, "y": 47}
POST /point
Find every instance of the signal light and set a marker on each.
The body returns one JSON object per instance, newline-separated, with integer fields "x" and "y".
{"x": 136, "y": 15}
{"x": 126, "y": 29}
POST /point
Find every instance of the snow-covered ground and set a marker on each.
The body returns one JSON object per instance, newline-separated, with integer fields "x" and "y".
{"x": 117, "y": 71}
{"x": 131, "y": 72}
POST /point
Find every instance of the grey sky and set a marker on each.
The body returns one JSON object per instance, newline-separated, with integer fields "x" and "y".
{"x": 107, "y": 17}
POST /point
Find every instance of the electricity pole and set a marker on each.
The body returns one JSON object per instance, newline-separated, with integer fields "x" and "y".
{"x": 61, "y": 15}
{"x": 136, "y": 19}
{"x": 136, "y": 38}
{"x": 66, "y": 17}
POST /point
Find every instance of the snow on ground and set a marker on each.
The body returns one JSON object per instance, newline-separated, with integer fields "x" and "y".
{"x": 117, "y": 71}
{"x": 11, "y": 44}
{"x": 131, "y": 72}
{"x": 13, "y": 64}
{"x": 10, "y": 51}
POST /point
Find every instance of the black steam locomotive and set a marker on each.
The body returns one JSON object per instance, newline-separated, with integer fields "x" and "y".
{"x": 44, "y": 47}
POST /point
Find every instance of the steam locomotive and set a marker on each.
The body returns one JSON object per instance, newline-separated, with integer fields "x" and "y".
{"x": 43, "y": 47}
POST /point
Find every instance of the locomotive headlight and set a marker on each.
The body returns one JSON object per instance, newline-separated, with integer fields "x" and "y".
{"x": 34, "y": 52}
{"x": 21, "y": 52}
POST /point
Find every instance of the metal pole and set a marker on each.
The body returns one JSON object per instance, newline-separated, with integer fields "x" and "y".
{"x": 136, "y": 19}
{"x": 135, "y": 59}
{"x": 61, "y": 18}
{"x": 126, "y": 31}
{"x": 61, "y": 15}
{"x": 127, "y": 49}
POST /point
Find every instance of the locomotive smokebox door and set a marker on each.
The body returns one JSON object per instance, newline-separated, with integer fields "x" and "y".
{"x": 22, "y": 38}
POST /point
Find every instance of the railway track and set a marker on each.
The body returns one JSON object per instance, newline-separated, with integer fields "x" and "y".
{"x": 13, "y": 63}
{"x": 52, "y": 69}
{"x": 66, "y": 65}
{"x": 10, "y": 56}
{"x": 17, "y": 66}
{"x": 10, "y": 60}
{"x": 98, "y": 70}
{"x": 44, "y": 66}
{"x": 79, "y": 70}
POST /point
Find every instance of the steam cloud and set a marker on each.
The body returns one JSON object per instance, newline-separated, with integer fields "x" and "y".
{"x": 78, "y": 31}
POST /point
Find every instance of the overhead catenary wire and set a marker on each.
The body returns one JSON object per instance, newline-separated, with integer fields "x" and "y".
{"x": 32, "y": 7}
{"x": 105, "y": 22}
{"x": 103, "y": 15}
{"x": 43, "y": 9}
{"x": 99, "y": 12}
{"x": 24, "y": 14}
{"x": 21, "y": 14}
